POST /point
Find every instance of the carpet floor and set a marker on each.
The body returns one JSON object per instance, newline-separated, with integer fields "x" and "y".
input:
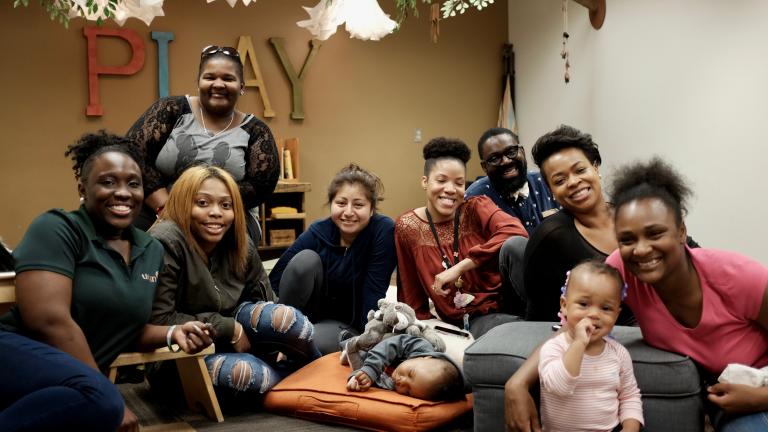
{"x": 160, "y": 414}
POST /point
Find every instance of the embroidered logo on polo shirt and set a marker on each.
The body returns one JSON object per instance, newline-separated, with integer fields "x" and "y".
{"x": 150, "y": 277}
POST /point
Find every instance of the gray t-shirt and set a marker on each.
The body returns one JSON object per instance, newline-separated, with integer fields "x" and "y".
{"x": 189, "y": 144}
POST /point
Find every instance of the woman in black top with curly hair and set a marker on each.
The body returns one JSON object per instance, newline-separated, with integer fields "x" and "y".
{"x": 448, "y": 250}
{"x": 179, "y": 131}
{"x": 570, "y": 164}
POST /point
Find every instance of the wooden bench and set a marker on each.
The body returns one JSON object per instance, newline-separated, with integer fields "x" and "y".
{"x": 198, "y": 388}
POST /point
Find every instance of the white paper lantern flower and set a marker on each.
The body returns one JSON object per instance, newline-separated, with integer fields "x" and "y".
{"x": 145, "y": 10}
{"x": 365, "y": 20}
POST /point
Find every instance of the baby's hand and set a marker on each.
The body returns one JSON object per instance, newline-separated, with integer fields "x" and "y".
{"x": 360, "y": 381}
{"x": 583, "y": 330}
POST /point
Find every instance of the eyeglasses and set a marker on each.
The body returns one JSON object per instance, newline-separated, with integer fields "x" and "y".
{"x": 215, "y": 49}
{"x": 510, "y": 153}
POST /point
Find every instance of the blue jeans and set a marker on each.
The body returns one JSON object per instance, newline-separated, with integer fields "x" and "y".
{"x": 270, "y": 328}
{"x": 43, "y": 388}
{"x": 745, "y": 423}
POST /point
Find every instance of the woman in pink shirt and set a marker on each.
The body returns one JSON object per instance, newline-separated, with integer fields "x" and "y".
{"x": 708, "y": 304}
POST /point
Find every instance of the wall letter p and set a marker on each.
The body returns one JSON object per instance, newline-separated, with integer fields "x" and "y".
{"x": 95, "y": 69}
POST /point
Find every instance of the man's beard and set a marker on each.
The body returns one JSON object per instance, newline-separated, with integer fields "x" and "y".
{"x": 506, "y": 187}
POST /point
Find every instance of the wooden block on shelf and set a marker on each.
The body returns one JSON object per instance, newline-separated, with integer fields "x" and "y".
{"x": 284, "y": 186}
{"x": 281, "y": 237}
{"x": 289, "y": 215}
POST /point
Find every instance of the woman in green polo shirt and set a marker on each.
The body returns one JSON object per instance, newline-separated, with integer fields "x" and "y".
{"x": 85, "y": 281}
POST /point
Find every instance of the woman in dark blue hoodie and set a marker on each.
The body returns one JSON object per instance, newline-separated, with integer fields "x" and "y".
{"x": 338, "y": 269}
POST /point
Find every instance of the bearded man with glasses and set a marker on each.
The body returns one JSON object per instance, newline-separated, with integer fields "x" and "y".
{"x": 517, "y": 192}
{"x": 522, "y": 194}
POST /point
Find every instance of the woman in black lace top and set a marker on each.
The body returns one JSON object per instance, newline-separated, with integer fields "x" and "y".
{"x": 179, "y": 131}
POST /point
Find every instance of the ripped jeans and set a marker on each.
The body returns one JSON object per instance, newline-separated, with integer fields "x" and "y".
{"x": 270, "y": 328}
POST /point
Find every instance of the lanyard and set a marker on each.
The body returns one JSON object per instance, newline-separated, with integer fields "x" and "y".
{"x": 446, "y": 262}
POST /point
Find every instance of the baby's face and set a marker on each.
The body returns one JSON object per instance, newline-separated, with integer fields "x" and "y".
{"x": 593, "y": 296}
{"x": 418, "y": 377}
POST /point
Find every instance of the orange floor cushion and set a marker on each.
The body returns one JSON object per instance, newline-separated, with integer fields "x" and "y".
{"x": 318, "y": 392}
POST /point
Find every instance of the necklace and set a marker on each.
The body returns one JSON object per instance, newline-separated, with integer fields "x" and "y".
{"x": 214, "y": 135}
{"x": 446, "y": 262}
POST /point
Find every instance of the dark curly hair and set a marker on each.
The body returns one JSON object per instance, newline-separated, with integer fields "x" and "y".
{"x": 91, "y": 145}
{"x": 652, "y": 179}
{"x": 564, "y": 137}
{"x": 354, "y": 174}
{"x": 492, "y": 132}
{"x": 444, "y": 148}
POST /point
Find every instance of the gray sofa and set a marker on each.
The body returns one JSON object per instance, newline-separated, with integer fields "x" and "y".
{"x": 669, "y": 382}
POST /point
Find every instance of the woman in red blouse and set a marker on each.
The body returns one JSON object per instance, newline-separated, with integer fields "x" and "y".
{"x": 448, "y": 250}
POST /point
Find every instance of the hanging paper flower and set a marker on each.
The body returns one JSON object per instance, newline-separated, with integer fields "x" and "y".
{"x": 232, "y": 3}
{"x": 365, "y": 20}
{"x": 324, "y": 18}
{"x": 145, "y": 10}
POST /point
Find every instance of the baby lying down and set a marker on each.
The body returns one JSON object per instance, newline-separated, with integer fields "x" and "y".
{"x": 410, "y": 366}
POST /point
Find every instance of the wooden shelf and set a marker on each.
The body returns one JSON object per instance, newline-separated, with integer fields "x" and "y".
{"x": 287, "y": 194}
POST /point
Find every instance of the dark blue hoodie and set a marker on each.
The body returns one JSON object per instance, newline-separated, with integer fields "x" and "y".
{"x": 357, "y": 276}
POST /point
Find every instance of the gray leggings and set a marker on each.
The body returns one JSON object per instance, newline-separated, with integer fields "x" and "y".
{"x": 302, "y": 286}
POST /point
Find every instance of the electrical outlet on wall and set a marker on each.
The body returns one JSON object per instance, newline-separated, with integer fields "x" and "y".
{"x": 417, "y": 135}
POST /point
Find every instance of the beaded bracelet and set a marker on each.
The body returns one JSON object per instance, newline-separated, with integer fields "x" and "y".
{"x": 168, "y": 340}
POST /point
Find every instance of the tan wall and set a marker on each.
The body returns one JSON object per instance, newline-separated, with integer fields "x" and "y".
{"x": 363, "y": 100}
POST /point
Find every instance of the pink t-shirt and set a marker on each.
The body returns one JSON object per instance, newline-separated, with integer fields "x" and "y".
{"x": 603, "y": 395}
{"x": 732, "y": 287}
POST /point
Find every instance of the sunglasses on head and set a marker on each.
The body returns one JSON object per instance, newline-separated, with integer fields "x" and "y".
{"x": 510, "y": 153}
{"x": 215, "y": 49}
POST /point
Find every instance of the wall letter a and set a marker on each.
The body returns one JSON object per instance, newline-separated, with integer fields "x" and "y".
{"x": 245, "y": 48}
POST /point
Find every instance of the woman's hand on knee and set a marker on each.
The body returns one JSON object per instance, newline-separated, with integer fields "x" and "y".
{"x": 520, "y": 411}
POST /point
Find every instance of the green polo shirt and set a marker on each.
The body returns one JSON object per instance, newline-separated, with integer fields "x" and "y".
{"x": 111, "y": 300}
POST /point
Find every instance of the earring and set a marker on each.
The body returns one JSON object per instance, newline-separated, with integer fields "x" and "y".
{"x": 82, "y": 199}
{"x": 242, "y": 92}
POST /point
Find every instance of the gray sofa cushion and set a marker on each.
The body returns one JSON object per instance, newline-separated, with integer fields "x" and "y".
{"x": 669, "y": 382}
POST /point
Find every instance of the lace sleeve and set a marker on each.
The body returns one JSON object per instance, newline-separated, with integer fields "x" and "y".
{"x": 150, "y": 132}
{"x": 262, "y": 166}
